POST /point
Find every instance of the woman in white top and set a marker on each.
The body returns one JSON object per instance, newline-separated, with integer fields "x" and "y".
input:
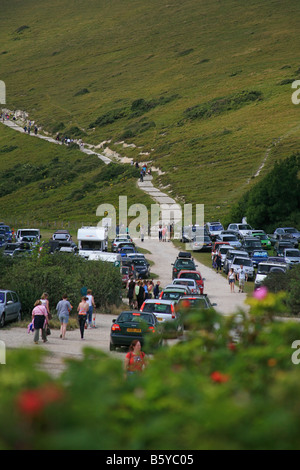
{"x": 231, "y": 279}
{"x": 91, "y": 302}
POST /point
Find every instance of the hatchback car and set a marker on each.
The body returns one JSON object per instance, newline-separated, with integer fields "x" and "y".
{"x": 131, "y": 325}
{"x": 164, "y": 310}
{"x": 250, "y": 244}
{"x": 10, "y": 307}
{"x": 229, "y": 238}
{"x": 174, "y": 293}
{"x": 189, "y": 302}
{"x": 190, "y": 283}
{"x": 291, "y": 256}
{"x": 185, "y": 274}
{"x": 142, "y": 268}
{"x": 258, "y": 256}
{"x": 264, "y": 239}
{"x": 201, "y": 243}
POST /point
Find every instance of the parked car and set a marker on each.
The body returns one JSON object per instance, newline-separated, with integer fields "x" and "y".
{"x": 264, "y": 239}
{"x": 189, "y": 274}
{"x": 67, "y": 247}
{"x": 214, "y": 228}
{"x": 62, "y": 235}
{"x": 125, "y": 273}
{"x": 291, "y": 256}
{"x": 281, "y": 245}
{"x": 201, "y": 243}
{"x": 164, "y": 310}
{"x": 229, "y": 257}
{"x": 9, "y": 248}
{"x": 190, "y": 283}
{"x": 243, "y": 229}
{"x": 118, "y": 241}
{"x": 10, "y": 307}
{"x": 229, "y": 238}
{"x": 287, "y": 231}
{"x": 247, "y": 264}
{"x": 25, "y": 232}
{"x": 216, "y": 245}
{"x": 126, "y": 261}
{"x": 3, "y": 241}
{"x": 258, "y": 256}
{"x": 267, "y": 267}
{"x": 142, "y": 268}
{"x": 6, "y": 230}
{"x": 188, "y": 302}
{"x": 131, "y": 325}
{"x": 126, "y": 250}
{"x": 250, "y": 244}
{"x": 185, "y": 261}
{"x": 222, "y": 249}
{"x": 174, "y": 293}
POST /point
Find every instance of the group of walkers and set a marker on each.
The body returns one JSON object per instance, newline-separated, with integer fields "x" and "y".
{"x": 138, "y": 291}
{"x": 41, "y": 315}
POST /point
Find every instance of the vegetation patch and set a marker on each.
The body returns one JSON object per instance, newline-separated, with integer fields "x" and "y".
{"x": 219, "y": 106}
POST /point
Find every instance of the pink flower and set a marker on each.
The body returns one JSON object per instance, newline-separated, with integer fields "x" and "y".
{"x": 260, "y": 293}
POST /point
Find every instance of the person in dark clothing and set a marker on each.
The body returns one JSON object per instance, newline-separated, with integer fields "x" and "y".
{"x": 141, "y": 295}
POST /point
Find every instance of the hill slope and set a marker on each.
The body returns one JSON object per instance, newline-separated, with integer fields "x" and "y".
{"x": 203, "y": 86}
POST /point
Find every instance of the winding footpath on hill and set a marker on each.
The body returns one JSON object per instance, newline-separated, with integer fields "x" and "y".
{"x": 163, "y": 254}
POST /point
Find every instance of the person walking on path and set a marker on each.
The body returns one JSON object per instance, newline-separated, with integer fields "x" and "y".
{"x": 130, "y": 294}
{"x": 231, "y": 279}
{"x": 140, "y": 296}
{"x": 83, "y": 308}
{"x": 242, "y": 278}
{"x": 135, "y": 359}
{"x": 92, "y": 305}
{"x": 40, "y": 321}
{"x": 218, "y": 261}
{"x": 156, "y": 290}
{"x": 63, "y": 309}
{"x": 45, "y": 301}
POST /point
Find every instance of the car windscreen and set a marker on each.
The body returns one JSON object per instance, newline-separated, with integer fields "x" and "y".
{"x": 245, "y": 227}
{"x": 26, "y": 233}
{"x": 243, "y": 261}
{"x": 139, "y": 262}
{"x": 214, "y": 228}
{"x": 253, "y": 243}
{"x": 264, "y": 268}
{"x": 293, "y": 253}
{"x": 261, "y": 254}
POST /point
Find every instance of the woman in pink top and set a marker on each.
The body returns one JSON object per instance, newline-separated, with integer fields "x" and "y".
{"x": 40, "y": 321}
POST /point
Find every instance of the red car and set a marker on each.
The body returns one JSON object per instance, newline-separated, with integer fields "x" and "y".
{"x": 193, "y": 275}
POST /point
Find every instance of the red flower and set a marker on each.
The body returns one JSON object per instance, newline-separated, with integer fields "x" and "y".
{"x": 219, "y": 377}
{"x": 32, "y": 402}
{"x": 231, "y": 346}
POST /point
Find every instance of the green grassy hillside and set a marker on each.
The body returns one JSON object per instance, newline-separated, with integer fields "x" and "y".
{"x": 50, "y": 184}
{"x": 203, "y": 86}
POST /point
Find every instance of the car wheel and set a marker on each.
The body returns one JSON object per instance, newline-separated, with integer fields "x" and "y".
{"x": 2, "y": 320}
{"x": 112, "y": 347}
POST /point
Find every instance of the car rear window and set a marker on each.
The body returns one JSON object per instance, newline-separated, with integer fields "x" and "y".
{"x": 195, "y": 276}
{"x": 133, "y": 317}
{"x": 157, "y": 308}
{"x": 199, "y": 303}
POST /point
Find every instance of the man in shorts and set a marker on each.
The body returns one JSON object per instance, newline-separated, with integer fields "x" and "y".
{"x": 242, "y": 277}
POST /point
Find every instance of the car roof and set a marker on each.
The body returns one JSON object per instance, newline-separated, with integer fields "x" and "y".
{"x": 182, "y": 280}
{"x": 159, "y": 301}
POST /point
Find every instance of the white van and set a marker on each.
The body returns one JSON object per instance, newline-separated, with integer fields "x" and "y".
{"x": 92, "y": 241}
{"x": 28, "y": 232}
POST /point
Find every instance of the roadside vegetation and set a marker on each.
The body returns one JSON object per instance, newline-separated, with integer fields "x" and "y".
{"x": 226, "y": 372}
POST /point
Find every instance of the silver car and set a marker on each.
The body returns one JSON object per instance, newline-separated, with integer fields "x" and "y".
{"x": 246, "y": 263}
{"x": 190, "y": 283}
{"x": 164, "y": 310}
{"x": 10, "y": 307}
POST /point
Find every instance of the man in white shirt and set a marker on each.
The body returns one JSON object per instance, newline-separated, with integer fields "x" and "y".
{"x": 242, "y": 277}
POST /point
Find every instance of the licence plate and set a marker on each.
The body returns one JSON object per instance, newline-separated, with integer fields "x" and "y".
{"x": 134, "y": 330}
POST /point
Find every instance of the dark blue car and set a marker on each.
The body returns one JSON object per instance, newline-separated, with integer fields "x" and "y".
{"x": 258, "y": 256}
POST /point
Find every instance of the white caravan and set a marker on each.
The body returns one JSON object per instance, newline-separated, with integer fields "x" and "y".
{"x": 92, "y": 241}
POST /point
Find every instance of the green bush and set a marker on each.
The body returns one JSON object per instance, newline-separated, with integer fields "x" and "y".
{"x": 61, "y": 273}
{"x": 230, "y": 383}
